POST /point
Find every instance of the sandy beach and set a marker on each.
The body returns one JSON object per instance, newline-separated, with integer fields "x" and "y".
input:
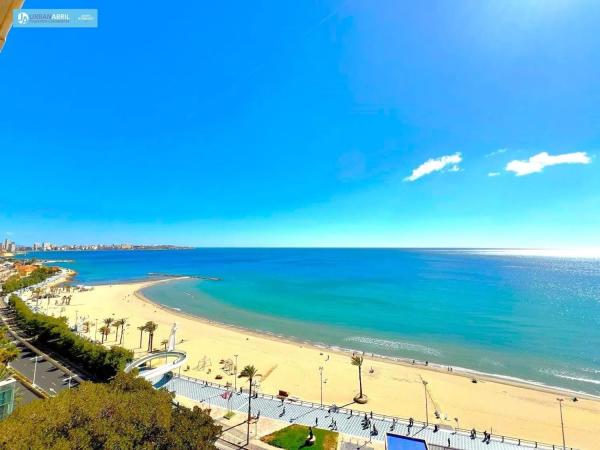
{"x": 393, "y": 388}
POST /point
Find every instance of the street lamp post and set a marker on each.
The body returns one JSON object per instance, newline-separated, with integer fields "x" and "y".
{"x": 426, "y": 403}
{"x": 321, "y": 374}
{"x": 562, "y": 425}
{"x": 235, "y": 373}
{"x": 96, "y": 331}
{"x": 35, "y": 359}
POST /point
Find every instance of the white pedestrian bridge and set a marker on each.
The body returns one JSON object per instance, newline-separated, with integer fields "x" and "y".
{"x": 167, "y": 361}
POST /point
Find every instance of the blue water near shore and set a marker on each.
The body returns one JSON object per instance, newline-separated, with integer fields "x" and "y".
{"x": 530, "y": 317}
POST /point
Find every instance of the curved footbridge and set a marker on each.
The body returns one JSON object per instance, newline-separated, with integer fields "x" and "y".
{"x": 171, "y": 360}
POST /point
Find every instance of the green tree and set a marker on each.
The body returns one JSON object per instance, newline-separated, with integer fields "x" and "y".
{"x": 127, "y": 413}
{"x": 8, "y": 351}
{"x": 16, "y": 282}
{"x": 54, "y": 333}
{"x": 249, "y": 372}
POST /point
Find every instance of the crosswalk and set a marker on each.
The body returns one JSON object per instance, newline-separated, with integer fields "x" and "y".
{"x": 344, "y": 420}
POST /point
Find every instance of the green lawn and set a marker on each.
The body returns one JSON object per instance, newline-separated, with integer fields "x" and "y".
{"x": 294, "y": 438}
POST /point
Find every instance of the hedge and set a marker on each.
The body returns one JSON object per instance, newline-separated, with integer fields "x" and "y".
{"x": 54, "y": 333}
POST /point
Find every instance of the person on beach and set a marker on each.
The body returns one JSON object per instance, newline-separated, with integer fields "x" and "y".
{"x": 316, "y": 421}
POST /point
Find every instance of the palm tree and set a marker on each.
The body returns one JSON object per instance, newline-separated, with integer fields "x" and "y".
{"x": 108, "y": 321}
{"x": 164, "y": 343}
{"x": 142, "y": 328}
{"x": 249, "y": 372}
{"x": 104, "y": 332}
{"x": 357, "y": 360}
{"x": 150, "y": 328}
{"x": 123, "y": 323}
{"x": 86, "y": 326}
{"x": 117, "y": 324}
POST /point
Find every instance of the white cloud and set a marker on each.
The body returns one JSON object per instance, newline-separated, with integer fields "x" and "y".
{"x": 493, "y": 174}
{"x": 435, "y": 165}
{"x": 497, "y": 152}
{"x": 536, "y": 163}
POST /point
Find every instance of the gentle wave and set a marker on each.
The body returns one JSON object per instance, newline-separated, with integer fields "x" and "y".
{"x": 591, "y": 253}
{"x": 396, "y": 345}
{"x": 567, "y": 376}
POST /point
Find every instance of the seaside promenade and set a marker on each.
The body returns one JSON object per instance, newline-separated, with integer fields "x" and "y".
{"x": 344, "y": 420}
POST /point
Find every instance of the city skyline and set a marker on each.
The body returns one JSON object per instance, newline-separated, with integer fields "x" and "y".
{"x": 330, "y": 124}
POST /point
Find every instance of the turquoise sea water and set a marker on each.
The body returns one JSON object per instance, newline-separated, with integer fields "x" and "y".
{"x": 530, "y": 317}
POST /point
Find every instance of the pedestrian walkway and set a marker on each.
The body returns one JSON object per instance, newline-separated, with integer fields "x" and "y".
{"x": 343, "y": 420}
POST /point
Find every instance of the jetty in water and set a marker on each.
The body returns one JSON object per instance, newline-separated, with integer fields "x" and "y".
{"x": 177, "y": 275}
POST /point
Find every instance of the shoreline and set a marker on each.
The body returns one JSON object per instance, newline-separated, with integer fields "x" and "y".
{"x": 402, "y": 361}
{"x": 394, "y": 387}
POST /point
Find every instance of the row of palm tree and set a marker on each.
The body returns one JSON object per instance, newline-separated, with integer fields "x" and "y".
{"x": 119, "y": 324}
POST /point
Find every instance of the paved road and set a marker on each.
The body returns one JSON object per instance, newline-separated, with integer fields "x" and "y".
{"x": 47, "y": 376}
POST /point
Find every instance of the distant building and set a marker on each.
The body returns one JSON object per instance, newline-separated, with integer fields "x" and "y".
{"x": 46, "y": 246}
{"x": 8, "y": 246}
{"x": 36, "y": 246}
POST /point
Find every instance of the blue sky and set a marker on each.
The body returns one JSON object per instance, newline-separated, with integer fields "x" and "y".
{"x": 300, "y": 124}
